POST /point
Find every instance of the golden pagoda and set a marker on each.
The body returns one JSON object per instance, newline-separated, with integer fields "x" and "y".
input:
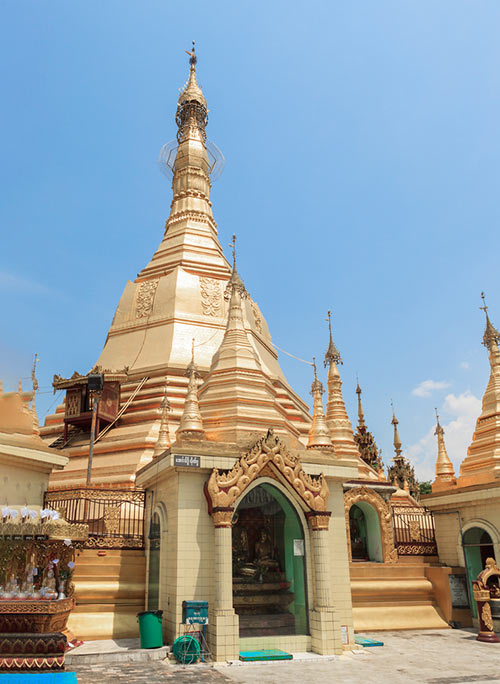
{"x": 177, "y": 297}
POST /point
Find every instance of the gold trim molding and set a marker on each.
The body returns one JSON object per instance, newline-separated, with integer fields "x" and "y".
{"x": 384, "y": 512}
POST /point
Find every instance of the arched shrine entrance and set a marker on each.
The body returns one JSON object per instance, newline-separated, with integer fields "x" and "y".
{"x": 478, "y": 546}
{"x": 269, "y": 577}
{"x": 364, "y": 530}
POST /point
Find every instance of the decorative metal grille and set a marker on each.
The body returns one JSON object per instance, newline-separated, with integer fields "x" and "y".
{"x": 414, "y": 533}
{"x": 115, "y": 516}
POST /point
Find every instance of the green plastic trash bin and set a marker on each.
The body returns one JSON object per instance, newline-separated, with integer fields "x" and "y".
{"x": 150, "y": 629}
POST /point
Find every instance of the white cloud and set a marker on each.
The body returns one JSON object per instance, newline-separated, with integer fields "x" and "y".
{"x": 426, "y": 387}
{"x": 10, "y": 282}
{"x": 463, "y": 409}
{"x": 465, "y": 364}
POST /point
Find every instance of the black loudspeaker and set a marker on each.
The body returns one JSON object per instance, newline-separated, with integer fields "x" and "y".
{"x": 96, "y": 382}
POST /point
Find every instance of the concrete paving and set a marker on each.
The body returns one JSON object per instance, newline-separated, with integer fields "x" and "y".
{"x": 426, "y": 657}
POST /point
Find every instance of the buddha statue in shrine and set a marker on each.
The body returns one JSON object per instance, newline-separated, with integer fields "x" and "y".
{"x": 264, "y": 552}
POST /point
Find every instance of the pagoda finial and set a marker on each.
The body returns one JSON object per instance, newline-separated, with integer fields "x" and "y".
{"x": 235, "y": 283}
{"x": 319, "y": 433}
{"x": 191, "y": 116}
{"x": 192, "y": 56}
{"x": 163, "y": 442}
{"x": 397, "y": 440}
{"x": 34, "y": 382}
{"x": 445, "y": 474}
{"x": 361, "y": 417}
{"x": 191, "y": 426}
{"x": 491, "y": 335}
{"x": 332, "y": 353}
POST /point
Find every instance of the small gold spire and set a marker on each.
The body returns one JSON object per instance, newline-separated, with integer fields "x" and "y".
{"x": 20, "y": 386}
{"x": 319, "y": 433}
{"x": 491, "y": 335}
{"x": 361, "y": 417}
{"x": 445, "y": 474}
{"x": 191, "y": 426}
{"x": 397, "y": 440}
{"x": 163, "y": 442}
{"x": 192, "y": 91}
{"x": 34, "y": 382}
{"x": 235, "y": 283}
{"x": 332, "y": 353}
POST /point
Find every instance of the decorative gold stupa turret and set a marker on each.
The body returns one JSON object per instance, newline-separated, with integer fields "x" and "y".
{"x": 401, "y": 473}
{"x": 237, "y": 398}
{"x": 319, "y": 434}
{"x": 482, "y": 463}
{"x": 365, "y": 441}
{"x": 163, "y": 442}
{"x": 336, "y": 414}
{"x": 191, "y": 425}
{"x": 445, "y": 474}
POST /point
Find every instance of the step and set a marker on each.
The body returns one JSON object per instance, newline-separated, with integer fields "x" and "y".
{"x": 114, "y": 651}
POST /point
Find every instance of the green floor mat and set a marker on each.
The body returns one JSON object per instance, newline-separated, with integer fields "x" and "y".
{"x": 265, "y": 654}
{"x": 364, "y": 641}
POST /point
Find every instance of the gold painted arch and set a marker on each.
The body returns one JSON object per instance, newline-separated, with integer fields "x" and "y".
{"x": 268, "y": 457}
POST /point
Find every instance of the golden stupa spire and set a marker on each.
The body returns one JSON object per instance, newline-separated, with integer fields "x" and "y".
{"x": 491, "y": 335}
{"x": 401, "y": 471}
{"x": 445, "y": 474}
{"x": 397, "y": 439}
{"x": 319, "y": 434}
{"x": 236, "y": 383}
{"x": 336, "y": 415}
{"x": 192, "y": 91}
{"x": 361, "y": 416}
{"x": 482, "y": 463}
{"x": 332, "y": 354}
{"x": 191, "y": 426}
{"x": 34, "y": 381}
{"x": 163, "y": 442}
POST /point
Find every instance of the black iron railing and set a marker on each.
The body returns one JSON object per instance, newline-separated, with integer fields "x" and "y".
{"x": 115, "y": 516}
{"x": 414, "y": 533}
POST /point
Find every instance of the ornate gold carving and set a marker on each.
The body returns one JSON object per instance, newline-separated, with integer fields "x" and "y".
{"x": 417, "y": 549}
{"x": 318, "y": 521}
{"x": 486, "y": 616}
{"x": 211, "y": 298}
{"x": 223, "y": 517}
{"x": 256, "y": 315}
{"x": 132, "y": 495}
{"x": 414, "y": 530}
{"x": 112, "y": 543}
{"x": 145, "y": 297}
{"x": 112, "y": 520}
{"x": 54, "y": 529}
{"x": 384, "y": 511}
{"x": 224, "y": 488}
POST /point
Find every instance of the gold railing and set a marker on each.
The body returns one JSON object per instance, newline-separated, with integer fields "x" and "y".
{"x": 115, "y": 516}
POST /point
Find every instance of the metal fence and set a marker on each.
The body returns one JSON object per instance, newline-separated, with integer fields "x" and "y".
{"x": 414, "y": 533}
{"x": 115, "y": 516}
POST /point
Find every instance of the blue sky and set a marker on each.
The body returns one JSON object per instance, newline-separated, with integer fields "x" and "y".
{"x": 362, "y": 176}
